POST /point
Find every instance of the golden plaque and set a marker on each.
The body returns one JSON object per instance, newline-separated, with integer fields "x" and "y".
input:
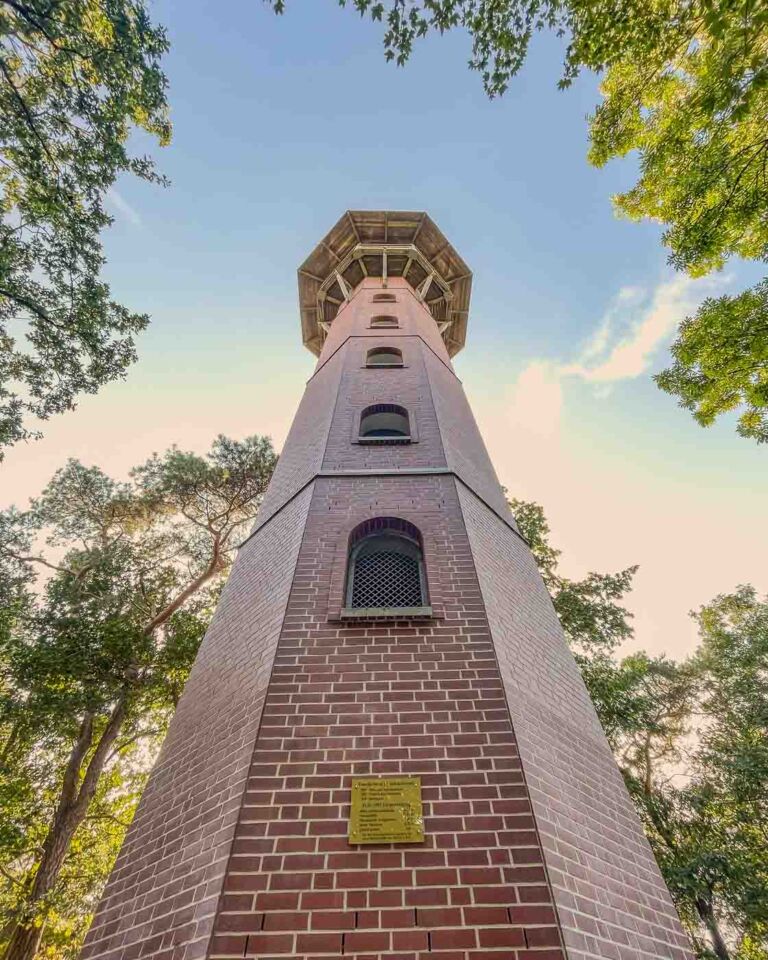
{"x": 386, "y": 811}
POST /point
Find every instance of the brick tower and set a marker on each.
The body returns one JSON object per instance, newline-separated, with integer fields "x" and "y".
{"x": 385, "y": 619}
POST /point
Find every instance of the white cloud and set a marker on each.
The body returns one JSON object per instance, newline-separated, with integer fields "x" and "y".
{"x": 119, "y": 202}
{"x": 648, "y": 321}
{"x": 626, "y": 299}
{"x": 607, "y": 505}
{"x": 636, "y": 324}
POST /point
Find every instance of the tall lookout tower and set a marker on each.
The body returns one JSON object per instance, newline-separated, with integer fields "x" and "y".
{"x": 385, "y": 748}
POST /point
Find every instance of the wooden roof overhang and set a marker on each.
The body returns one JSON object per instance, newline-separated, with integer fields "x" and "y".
{"x": 384, "y": 243}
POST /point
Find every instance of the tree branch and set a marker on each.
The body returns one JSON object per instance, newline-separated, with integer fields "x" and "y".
{"x": 192, "y": 588}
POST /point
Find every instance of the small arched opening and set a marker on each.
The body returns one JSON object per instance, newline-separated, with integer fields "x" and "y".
{"x": 384, "y": 320}
{"x": 385, "y": 423}
{"x": 384, "y": 357}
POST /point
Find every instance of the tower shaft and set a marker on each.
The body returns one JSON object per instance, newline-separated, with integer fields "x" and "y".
{"x": 459, "y": 675}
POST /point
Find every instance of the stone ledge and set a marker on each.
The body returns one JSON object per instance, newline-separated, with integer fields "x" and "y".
{"x": 386, "y": 613}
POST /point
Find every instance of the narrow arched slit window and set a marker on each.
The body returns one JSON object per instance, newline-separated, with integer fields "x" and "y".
{"x": 384, "y": 321}
{"x": 384, "y": 357}
{"x": 386, "y": 569}
{"x": 384, "y": 423}
{"x": 384, "y": 298}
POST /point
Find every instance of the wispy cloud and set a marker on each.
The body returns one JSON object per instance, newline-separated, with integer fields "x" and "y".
{"x": 622, "y": 346}
{"x": 635, "y": 326}
{"x": 120, "y": 204}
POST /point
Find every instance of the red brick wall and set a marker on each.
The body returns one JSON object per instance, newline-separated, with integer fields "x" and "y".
{"x": 164, "y": 890}
{"x": 353, "y": 319}
{"x": 608, "y": 890}
{"x": 386, "y": 698}
{"x": 304, "y": 449}
{"x": 464, "y": 448}
{"x": 361, "y": 386}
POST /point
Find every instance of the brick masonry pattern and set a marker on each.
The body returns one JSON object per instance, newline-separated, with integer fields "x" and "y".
{"x": 163, "y": 892}
{"x": 250, "y": 821}
{"x": 374, "y": 699}
{"x": 611, "y": 899}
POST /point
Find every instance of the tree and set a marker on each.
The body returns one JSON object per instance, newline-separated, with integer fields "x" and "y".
{"x": 685, "y": 86}
{"x": 95, "y": 660}
{"x": 732, "y": 758}
{"x": 76, "y": 77}
{"x": 706, "y": 810}
{"x": 721, "y": 361}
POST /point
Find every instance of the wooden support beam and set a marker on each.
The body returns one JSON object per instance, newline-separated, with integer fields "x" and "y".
{"x": 346, "y": 293}
{"x": 312, "y": 276}
{"x": 354, "y": 227}
{"x": 418, "y": 229}
{"x": 333, "y": 253}
{"x": 424, "y": 288}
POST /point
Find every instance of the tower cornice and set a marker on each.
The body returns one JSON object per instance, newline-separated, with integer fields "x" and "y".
{"x": 384, "y": 244}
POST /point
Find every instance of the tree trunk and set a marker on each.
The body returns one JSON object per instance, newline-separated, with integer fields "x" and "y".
{"x": 70, "y": 813}
{"x": 707, "y": 914}
{"x": 73, "y": 803}
{"x": 648, "y": 779}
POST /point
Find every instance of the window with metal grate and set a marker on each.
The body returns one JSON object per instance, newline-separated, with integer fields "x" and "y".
{"x": 386, "y": 567}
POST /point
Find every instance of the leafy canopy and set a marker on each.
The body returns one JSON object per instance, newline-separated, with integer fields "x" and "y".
{"x": 720, "y": 362}
{"x": 76, "y": 77}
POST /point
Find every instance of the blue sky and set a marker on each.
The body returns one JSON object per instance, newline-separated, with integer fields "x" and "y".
{"x": 281, "y": 124}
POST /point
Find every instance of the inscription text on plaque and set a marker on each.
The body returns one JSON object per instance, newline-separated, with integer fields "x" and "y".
{"x": 387, "y": 810}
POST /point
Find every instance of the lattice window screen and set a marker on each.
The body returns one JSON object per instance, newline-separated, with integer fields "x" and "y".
{"x": 386, "y": 579}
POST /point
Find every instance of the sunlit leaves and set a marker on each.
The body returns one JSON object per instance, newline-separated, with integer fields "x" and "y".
{"x": 720, "y": 361}
{"x": 76, "y": 77}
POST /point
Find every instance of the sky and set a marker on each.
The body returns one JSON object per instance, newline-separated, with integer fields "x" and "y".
{"x": 283, "y": 123}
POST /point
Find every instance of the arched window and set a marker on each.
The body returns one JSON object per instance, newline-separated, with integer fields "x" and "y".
{"x": 386, "y": 566}
{"x": 384, "y": 423}
{"x": 384, "y": 321}
{"x": 384, "y": 357}
{"x": 384, "y": 298}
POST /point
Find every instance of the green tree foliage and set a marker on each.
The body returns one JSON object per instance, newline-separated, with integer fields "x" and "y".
{"x": 113, "y": 585}
{"x": 590, "y": 611}
{"x": 720, "y": 361}
{"x": 732, "y": 759}
{"x": 685, "y": 86}
{"x": 76, "y": 77}
{"x": 692, "y": 741}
